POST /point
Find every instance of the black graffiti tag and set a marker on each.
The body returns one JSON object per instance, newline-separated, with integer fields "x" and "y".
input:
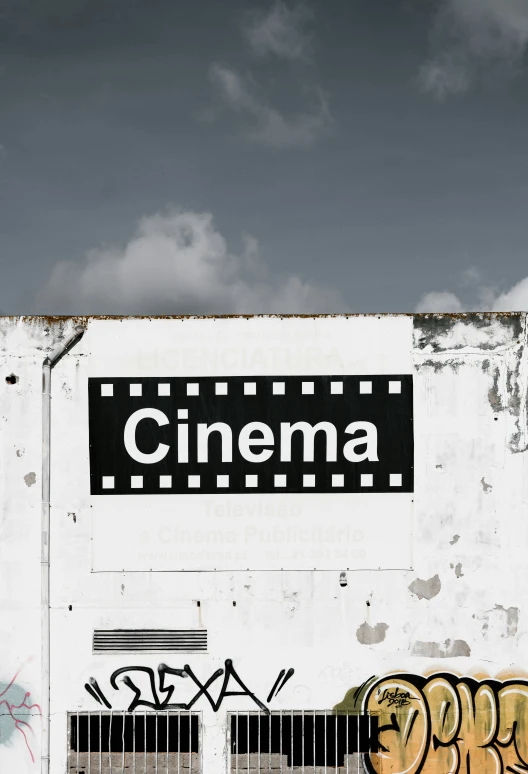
{"x": 398, "y": 698}
{"x": 162, "y": 693}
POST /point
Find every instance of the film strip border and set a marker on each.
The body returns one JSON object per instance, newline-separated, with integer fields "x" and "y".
{"x": 191, "y": 388}
{"x": 224, "y": 481}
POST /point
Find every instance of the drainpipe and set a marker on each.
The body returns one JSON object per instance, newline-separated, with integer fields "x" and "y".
{"x": 47, "y": 365}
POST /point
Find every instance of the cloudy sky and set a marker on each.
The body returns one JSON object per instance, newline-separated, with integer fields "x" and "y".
{"x": 207, "y": 156}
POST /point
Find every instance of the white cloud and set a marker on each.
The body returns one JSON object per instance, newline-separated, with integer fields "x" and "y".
{"x": 439, "y": 301}
{"x": 489, "y": 300}
{"x": 279, "y": 31}
{"x": 267, "y": 125}
{"x": 178, "y": 263}
{"x": 470, "y": 35}
{"x": 514, "y": 300}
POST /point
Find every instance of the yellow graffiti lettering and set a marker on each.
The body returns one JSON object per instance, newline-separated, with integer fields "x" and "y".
{"x": 512, "y": 734}
{"x": 477, "y": 730}
{"x": 403, "y": 727}
{"x": 444, "y": 716}
{"x": 448, "y": 725}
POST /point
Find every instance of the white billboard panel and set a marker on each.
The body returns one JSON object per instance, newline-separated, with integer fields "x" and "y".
{"x": 253, "y": 532}
{"x": 260, "y": 443}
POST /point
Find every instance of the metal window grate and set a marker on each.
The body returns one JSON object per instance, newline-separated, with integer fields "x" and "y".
{"x": 303, "y": 742}
{"x": 134, "y": 743}
{"x": 150, "y": 640}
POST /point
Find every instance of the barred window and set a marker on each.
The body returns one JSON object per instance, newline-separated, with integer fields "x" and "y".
{"x": 135, "y": 743}
{"x": 303, "y": 742}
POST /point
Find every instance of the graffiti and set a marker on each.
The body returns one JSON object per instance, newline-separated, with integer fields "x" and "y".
{"x": 338, "y": 675}
{"x": 444, "y": 724}
{"x": 93, "y": 689}
{"x": 399, "y": 698}
{"x": 161, "y": 693}
{"x": 15, "y": 712}
{"x": 282, "y": 679}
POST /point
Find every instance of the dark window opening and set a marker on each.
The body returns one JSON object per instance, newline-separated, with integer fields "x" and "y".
{"x": 128, "y": 733}
{"x": 324, "y": 740}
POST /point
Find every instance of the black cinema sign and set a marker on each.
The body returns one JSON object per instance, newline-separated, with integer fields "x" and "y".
{"x": 263, "y": 434}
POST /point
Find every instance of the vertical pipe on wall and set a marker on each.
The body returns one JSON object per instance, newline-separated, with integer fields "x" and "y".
{"x": 47, "y": 365}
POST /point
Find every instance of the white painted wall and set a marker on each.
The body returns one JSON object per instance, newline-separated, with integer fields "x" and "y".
{"x": 468, "y": 520}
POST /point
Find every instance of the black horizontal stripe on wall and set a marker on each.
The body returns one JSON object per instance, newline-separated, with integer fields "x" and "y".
{"x": 130, "y": 640}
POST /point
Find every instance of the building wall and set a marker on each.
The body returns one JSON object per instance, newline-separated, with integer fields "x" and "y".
{"x": 451, "y": 602}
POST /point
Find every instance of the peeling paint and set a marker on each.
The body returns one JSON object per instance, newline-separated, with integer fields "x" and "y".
{"x": 494, "y": 396}
{"x": 456, "y": 538}
{"x": 371, "y": 635}
{"x": 450, "y": 649}
{"x": 500, "y": 622}
{"x": 438, "y": 365}
{"x": 486, "y": 487}
{"x": 426, "y": 589}
{"x": 508, "y": 394}
{"x": 30, "y": 479}
{"x": 486, "y": 331}
{"x": 447, "y": 342}
{"x": 458, "y": 571}
{"x": 512, "y": 619}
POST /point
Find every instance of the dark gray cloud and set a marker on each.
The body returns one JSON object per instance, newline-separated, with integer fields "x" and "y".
{"x": 266, "y": 125}
{"x": 280, "y": 30}
{"x": 316, "y": 136}
{"x": 471, "y": 36}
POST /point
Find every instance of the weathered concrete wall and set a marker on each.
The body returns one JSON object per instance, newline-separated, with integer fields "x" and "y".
{"x": 23, "y": 346}
{"x": 458, "y": 611}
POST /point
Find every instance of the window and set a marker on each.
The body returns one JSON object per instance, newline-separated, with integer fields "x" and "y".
{"x": 288, "y": 741}
{"x": 139, "y": 743}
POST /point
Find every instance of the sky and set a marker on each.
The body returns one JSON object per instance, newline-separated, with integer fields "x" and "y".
{"x": 184, "y": 157}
